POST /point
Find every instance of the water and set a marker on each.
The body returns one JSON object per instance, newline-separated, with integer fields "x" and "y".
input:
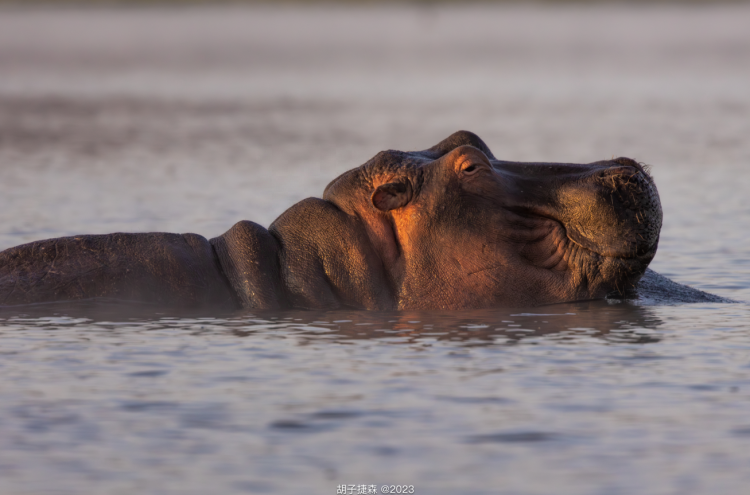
{"x": 190, "y": 120}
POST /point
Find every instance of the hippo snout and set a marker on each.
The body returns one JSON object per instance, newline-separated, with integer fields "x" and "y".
{"x": 614, "y": 211}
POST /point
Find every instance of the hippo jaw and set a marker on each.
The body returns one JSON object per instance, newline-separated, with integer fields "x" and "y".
{"x": 609, "y": 217}
{"x": 611, "y": 208}
{"x": 595, "y": 226}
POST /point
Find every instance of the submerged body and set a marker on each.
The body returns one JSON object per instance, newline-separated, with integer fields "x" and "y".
{"x": 450, "y": 227}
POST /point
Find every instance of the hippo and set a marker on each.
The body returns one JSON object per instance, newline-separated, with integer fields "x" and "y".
{"x": 450, "y": 227}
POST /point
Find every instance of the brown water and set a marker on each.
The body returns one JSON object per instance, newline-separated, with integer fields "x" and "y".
{"x": 190, "y": 120}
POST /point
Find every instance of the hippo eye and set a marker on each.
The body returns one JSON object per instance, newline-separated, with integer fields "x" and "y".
{"x": 471, "y": 169}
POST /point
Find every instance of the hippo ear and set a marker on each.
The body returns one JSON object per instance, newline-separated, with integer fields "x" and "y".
{"x": 392, "y": 195}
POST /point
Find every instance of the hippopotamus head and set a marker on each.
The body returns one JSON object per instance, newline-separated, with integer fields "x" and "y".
{"x": 456, "y": 228}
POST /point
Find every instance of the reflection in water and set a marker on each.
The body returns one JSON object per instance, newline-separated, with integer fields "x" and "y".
{"x": 621, "y": 322}
{"x": 618, "y": 321}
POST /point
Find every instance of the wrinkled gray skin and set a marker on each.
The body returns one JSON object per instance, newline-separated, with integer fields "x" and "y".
{"x": 450, "y": 227}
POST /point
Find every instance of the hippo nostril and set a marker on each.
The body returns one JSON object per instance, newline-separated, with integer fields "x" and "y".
{"x": 623, "y": 179}
{"x": 628, "y": 162}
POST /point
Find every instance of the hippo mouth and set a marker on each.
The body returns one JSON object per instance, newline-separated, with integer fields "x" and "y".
{"x": 611, "y": 208}
{"x": 614, "y": 212}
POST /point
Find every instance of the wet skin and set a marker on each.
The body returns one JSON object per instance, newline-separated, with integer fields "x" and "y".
{"x": 450, "y": 227}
